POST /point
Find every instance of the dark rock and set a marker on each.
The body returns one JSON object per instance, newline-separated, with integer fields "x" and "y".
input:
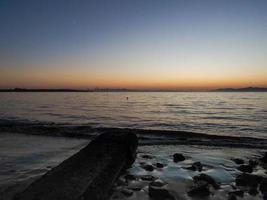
{"x": 232, "y": 197}
{"x": 250, "y": 180}
{"x": 239, "y": 193}
{"x": 147, "y": 156}
{"x": 90, "y": 173}
{"x": 263, "y": 185}
{"x": 245, "y": 168}
{"x": 148, "y": 178}
{"x": 208, "y": 179}
{"x": 158, "y": 183}
{"x": 159, "y": 165}
{"x": 253, "y": 163}
{"x": 130, "y": 177}
{"x": 197, "y": 166}
{"x": 149, "y": 168}
{"x": 136, "y": 188}
{"x": 157, "y": 192}
{"x": 177, "y": 157}
{"x": 127, "y": 192}
{"x": 264, "y": 158}
{"x": 238, "y": 161}
{"x": 253, "y": 191}
{"x": 201, "y": 188}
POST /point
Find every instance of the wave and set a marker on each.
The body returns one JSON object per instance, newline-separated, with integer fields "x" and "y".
{"x": 146, "y": 136}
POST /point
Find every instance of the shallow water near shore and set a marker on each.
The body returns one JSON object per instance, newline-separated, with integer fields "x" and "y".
{"x": 217, "y": 162}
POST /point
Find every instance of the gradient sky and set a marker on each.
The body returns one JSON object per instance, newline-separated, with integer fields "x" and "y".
{"x": 174, "y": 44}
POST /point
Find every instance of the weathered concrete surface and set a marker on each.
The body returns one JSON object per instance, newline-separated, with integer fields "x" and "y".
{"x": 89, "y": 174}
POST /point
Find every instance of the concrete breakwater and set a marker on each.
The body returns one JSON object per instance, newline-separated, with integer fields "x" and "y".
{"x": 89, "y": 174}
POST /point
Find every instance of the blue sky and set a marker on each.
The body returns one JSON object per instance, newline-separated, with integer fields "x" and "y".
{"x": 136, "y": 44}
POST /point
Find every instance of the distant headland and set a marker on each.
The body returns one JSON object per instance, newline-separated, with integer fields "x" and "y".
{"x": 246, "y": 89}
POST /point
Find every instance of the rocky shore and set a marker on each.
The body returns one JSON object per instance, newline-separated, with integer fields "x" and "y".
{"x": 151, "y": 179}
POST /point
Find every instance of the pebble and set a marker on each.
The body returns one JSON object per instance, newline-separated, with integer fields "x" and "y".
{"x": 245, "y": 168}
{"x": 177, "y": 157}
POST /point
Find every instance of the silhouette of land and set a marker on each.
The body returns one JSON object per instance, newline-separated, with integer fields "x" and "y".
{"x": 246, "y": 89}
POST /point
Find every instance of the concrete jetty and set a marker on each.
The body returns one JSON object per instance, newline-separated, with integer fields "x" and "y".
{"x": 89, "y": 174}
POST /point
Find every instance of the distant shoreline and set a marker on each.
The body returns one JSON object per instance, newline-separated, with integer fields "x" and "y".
{"x": 246, "y": 89}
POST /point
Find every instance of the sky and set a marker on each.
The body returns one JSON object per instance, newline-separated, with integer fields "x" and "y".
{"x": 141, "y": 44}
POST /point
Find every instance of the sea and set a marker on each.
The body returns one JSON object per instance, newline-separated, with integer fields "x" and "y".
{"x": 241, "y": 114}
{"x": 29, "y": 122}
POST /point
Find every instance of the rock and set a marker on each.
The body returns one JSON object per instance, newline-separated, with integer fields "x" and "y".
{"x": 159, "y": 165}
{"x": 201, "y": 188}
{"x": 245, "y": 168}
{"x": 263, "y": 185}
{"x": 177, "y": 157}
{"x": 208, "y": 179}
{"x": 250, "y": 180}
{"x": 127, "y": 192}
{"x": 253, "y": 191}
{"x": 239, "y": 193}
{"x": 196, "y": 166}
{"x": 238, "y": 161}
{"x": 232, "y": 197}
{"x": 88, "y": 174}
{"x": 253, "y": 163}
{"x": 264, "y": 158}
{"x": 130, "y": 177}
{"x": 148, "y": 178}
{"x": 149, "y": 168}
{"x": 157, "y": 192}
{"x": 147, "y": 156}
{"x": 158, "y": 183}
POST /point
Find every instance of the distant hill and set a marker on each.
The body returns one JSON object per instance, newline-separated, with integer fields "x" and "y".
{"x": 246, "y": 89}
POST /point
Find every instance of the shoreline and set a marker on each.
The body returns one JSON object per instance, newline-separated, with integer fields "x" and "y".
{"x": 146, "y": 136}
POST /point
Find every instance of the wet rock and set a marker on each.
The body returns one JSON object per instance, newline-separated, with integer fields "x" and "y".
{"x": 177, "y": 157}
{"x": 245, "y": 168}
{"x": 232, "y": 197}
{"x": 264, "y": 158}
{"x": 130, "y": 177}
{"x": 239, "y": 193}
{"x": 127, "y": 192}
{"x": 159, "y": 165}
{"x": 157, "y": 192}
{"x": 196, "y": 166}
{"x": 135, "y": 188}
{"x": 253, "y": 191}
{"x": 250, "y": 180}
{"x": 149, "y": 168}
{"x": 253, "y": 163}
{"x": 158, "y": 183}
{"x": 238, "y": 161}
{"x": 121, "y": 182}
{"x": 208, "y": 179}
{"x": 147, "y": 156}
{"x": 263, "y": 185}
{"x": 201, "y": 188}
{"x": 148, "y": 178}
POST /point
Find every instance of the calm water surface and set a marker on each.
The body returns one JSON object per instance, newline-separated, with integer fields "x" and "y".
{"x": 238, "y": 114}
